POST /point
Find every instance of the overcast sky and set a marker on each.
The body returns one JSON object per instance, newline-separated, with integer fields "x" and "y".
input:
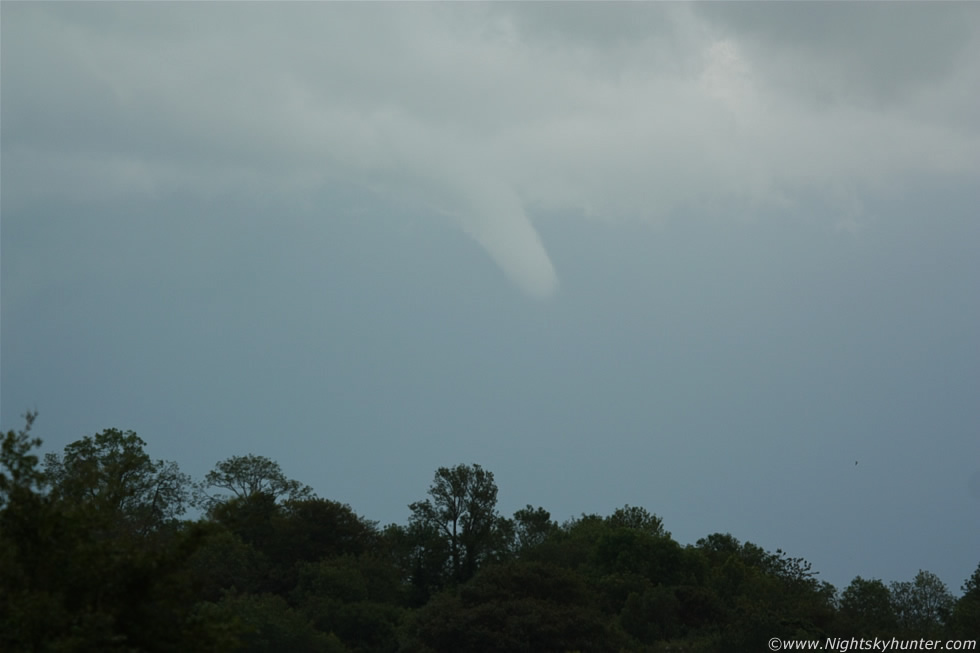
{"x": 699, "y": 258}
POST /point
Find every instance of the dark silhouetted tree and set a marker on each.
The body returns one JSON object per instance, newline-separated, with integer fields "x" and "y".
{"x": 532, "y": 526}
{"x": 247, "y": 476}
{"x": 84, "y": 564}
{"x": 866, "y": 608}
{"x": 922, "y": 606}
{"x": 965, "y": 620}
{"x": 463, "y": 508}
{"x": 515, "y": 607}
{"x": 111, "y": 478}
{"x": 638, "y": 519}
{"x": 19, "y": 470}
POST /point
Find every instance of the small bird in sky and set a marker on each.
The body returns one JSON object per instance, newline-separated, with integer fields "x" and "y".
{"x": 855, "y": 462}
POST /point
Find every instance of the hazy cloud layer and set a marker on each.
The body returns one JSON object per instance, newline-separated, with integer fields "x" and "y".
{"x": 492, "y": 114}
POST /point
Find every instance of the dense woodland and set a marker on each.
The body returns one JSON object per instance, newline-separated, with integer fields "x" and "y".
{"x": 96, "y": 555}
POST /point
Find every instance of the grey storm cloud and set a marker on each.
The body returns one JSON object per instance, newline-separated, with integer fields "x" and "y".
{"x": 699, "y": 257}
{"x": 487, "y": 115}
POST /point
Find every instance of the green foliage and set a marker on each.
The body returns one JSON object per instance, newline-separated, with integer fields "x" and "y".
{"x": 514, "y": 607}
{"x": 67, "y": 586}
{"x": 355, "y": 597}
{"x": 573, "y": 545}
{"x": 699, "y": 608}
{"x": 866, "y": 608}
{"x": 282, "y": 536}
{"x": 312, "y": 528}
{"x": 971, "y": 586}
{"x": 764, "y": 594}
{"x": 651, "y": 616}
{"x": 252, "y": 518}
{"x": 637, "y": 519}
{"x": 421, "y": 554}
{"x": 532, "y": 526}
{"x": 922, "y": 606}
{"x": 93, "y": 556}
{"x": 656, "y": 558}
{"x": 720, "y": 545}
{"x": 224, "y": 562}
{"x": 965, "y": 619}
{"x": 265, "y": 623}
{"x": 78, "y": 566}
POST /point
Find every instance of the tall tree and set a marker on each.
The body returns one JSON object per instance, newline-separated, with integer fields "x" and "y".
{"x": 247, "y": 476}
{"x": 637, "y": 518}
{"x": 866, "y": 608}
{"x": 965, "y": 620}
{"x": 112, "y": 477}
{"x": 971, "y": 586}
{"x": 923, "y": 605}
{"x": 421, "y": 553}
{"x": 463, "y": 507}
{"x": 532, "y": 526}
{"x": 18, "y": 466}
{"x": 80, "y": 569}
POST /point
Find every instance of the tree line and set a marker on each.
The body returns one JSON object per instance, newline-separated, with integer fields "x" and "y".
{"x": 96, "y": 554}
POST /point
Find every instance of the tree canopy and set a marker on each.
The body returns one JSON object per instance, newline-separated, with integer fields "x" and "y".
{"x": 95, "y": 555}
{"x": 112, "y": 475}
{"x": 250, "y": 475}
